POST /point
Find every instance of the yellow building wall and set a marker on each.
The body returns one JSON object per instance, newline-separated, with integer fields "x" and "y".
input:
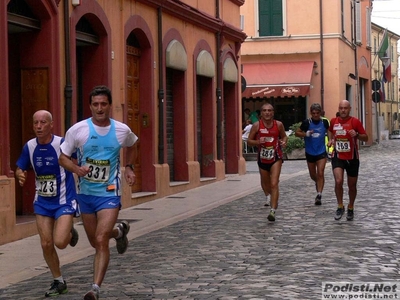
{"x": 385, "y": 122}
{"x": 301, "y": 42}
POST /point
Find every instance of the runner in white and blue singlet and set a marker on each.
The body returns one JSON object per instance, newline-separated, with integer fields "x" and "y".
{"x": 55, "y": 198}
{"x": 98, "y": 141}
{"x": 55, "y": 187}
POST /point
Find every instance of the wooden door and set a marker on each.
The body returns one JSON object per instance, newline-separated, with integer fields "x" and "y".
{"x": 34, "y": 97}
{"x": 133, "y": 108}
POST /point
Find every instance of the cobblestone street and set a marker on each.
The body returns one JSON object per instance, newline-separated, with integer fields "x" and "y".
{"x": 233, "y": 252}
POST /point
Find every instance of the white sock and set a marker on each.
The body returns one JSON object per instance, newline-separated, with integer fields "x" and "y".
{"x": 60, "y": 279}
{"x": 119, "y": 233}
{"x": 95, "y": 287}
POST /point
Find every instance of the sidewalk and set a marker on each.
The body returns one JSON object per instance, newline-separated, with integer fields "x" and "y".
{"x": 23, "y": 259}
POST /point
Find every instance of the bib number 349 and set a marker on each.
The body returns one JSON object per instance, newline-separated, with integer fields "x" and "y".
{"x": 267, "y": 153}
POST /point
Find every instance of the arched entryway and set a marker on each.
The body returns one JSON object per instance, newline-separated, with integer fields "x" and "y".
{"x": 205, "y": 121}
{"x": 90, "y": 55}
{"x": 90, "y": 61}
{"x": 33, "y": 74}
{"x": 175, "y": 107}
{"x": 139, "y": 104}
{"x": 231, "y": 120}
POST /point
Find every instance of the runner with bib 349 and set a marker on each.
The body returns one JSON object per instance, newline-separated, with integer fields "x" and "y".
{"x": 269, "y": 136}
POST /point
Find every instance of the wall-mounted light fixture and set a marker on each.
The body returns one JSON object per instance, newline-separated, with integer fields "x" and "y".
{"x": 352, "y": 76}
{"x": 76, "y": 2}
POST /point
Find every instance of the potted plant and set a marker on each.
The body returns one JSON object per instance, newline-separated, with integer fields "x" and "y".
{"x": 295, "y": 146}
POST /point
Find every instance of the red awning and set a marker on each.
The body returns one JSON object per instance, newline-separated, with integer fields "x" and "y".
{"x": 280, "y": 79}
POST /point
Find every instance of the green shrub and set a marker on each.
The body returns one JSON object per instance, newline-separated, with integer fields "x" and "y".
{"x": 294, "y": 127}
{"x": 293, "y": 141}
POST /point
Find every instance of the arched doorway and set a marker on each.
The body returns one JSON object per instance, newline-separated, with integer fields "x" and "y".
{"x": 139, "y": 104}
{"x": 133, "y": 54}
{"x": 32, "y": 59}
{"x": 91, "y": 61}
{"x": 230, "y": 113}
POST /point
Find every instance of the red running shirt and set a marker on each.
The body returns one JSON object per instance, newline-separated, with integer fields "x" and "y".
{"x": 346, "y": 146}
{"x": 270, "y": 149}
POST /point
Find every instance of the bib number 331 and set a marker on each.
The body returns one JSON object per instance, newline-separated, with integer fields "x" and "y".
{"x": 99, "y": 170}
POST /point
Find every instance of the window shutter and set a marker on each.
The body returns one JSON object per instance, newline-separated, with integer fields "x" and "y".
{"x": 368, "y": 26}
{"x": 270, "y": 17}
{"x": 358, "y": 23}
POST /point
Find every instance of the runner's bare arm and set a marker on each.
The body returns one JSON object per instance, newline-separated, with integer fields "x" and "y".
{"x": 252, "y": 139}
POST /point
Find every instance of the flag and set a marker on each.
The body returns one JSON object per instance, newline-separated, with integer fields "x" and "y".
{"x": 382, "y": 90}
{"x": 384, "y": 56}
{"x": 387, "y": 70}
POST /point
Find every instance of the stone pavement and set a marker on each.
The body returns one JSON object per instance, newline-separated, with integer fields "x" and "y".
{"x": 233, "y": 252}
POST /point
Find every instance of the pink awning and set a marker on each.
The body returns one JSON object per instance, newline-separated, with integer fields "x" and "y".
{"x": 280, "y": 79}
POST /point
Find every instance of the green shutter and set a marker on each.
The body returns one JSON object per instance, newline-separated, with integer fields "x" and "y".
{"x": 270, "y": 17}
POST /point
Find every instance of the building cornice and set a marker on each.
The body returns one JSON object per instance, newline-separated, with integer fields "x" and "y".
{"x": 191, "y": 15}
{"x": 377, "y": 28}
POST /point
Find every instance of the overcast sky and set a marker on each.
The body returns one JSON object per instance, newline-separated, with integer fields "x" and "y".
{"x": 386, "y": 13}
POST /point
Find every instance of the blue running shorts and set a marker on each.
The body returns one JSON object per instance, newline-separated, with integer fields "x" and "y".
{"x": 54, "y": 210}
{"x": 92, "y": 204}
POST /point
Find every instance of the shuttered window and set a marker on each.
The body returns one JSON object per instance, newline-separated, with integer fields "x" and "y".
{"x": 270, "y": 16}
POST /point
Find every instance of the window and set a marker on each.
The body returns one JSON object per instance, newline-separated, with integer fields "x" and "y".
{"x": 270, "y": 18}
{"x": 358, "y": 23}
{"x": 391, "y": 52}
{"x": 342, "y": 15}
{"x": 392, "y": 91}
{"x": 368, "y": 15}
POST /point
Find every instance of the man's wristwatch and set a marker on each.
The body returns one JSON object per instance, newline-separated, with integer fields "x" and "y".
{"x": 130, "y": 166}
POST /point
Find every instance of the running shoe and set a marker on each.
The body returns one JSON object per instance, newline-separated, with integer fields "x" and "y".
{"x": 92, "y": 295}
{"x": 74, "y": 238}
{"x": 318, "y": 200}
{"x": 271, "y": 216}
{"x": 122, "y": 242}
{"x": 339, "y": 213}
{"x": 268, "y": 203}
{"x": 350, "y": 214}
{"x": 57, "y": 288}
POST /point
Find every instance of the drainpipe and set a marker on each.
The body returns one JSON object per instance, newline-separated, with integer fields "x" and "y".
{"x": 160, "y": 91}
{"x": 321, "y": 40}
{"x": 356, "y": 58}
{"x": 377, "y": 106}
{"x": 219, "y": 89}
{"x": 391, "y": 100}
{"x": 68, "y": 85}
